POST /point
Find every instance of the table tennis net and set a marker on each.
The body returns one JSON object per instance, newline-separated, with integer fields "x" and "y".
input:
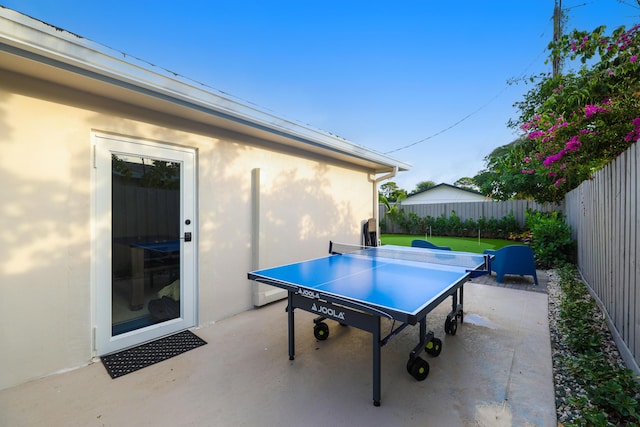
{"x": 432, "y": 256}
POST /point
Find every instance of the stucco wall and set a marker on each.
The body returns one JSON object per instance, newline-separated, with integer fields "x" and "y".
{"x": 46, "y": 259}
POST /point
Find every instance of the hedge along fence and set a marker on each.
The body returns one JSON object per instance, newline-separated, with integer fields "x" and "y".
{"x": 467, "y": 219}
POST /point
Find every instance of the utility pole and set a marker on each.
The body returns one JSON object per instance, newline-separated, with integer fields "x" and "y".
{"x": 557, "y": 34}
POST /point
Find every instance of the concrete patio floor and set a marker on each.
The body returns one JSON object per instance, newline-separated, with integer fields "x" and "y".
{"x": 496, "y": 371}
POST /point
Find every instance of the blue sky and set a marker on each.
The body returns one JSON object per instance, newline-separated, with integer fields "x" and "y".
{"x": 383, "y": 74}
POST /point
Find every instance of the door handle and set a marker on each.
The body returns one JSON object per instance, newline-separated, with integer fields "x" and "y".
{"x": 187, "y": 236}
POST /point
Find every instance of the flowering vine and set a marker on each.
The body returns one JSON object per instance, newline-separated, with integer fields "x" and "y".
{"x": 581, "y": 120}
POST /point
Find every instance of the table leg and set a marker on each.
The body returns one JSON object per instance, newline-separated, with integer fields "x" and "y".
{"x": 461, "y": 302}
{"x": 376, "y": 362}
{"x": 292, "y": 338}
{"x": 454, "y": 302}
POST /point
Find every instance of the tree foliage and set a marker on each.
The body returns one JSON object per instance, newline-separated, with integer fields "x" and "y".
{"x": 424, "y": 185}
{"x": 502, "y": 179}
{"x": 391, "y": 192}
{"x": 573, "y": 124}
{"x": 148, "y": 173}
{"x": 466, "y": 183}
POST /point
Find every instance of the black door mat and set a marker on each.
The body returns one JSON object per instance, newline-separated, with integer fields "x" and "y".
{"x": 133, "y": 359}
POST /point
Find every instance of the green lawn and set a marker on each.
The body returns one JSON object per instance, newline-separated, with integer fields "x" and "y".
{"x": 464, "y": 244}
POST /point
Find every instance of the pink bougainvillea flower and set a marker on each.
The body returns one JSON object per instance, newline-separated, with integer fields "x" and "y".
{"x": 560, "y": 181}
{"x": 553, "y": 158}
{"x": 634, "y": 135}
{"x": 590, "y": 110}
{"x": 634, "y": 58}
{"x": 536, "y": 134}
{"x": 573, "y": 144}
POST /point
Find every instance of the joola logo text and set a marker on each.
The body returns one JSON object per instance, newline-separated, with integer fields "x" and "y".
{"x": 309, "y": 294}
{"x": 327, "y": 311}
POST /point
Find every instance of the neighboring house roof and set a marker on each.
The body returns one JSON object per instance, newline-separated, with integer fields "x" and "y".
{"x": 444, "y": 193}
{"x": 32, "y": 47}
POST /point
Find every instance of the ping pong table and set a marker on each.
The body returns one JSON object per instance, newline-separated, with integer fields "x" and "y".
{"x": 358, "y": 286}
{"x": 166, "y": 257}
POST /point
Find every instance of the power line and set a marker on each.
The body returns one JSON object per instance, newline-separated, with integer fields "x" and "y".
{"x": 480, "y": 108}
{"x": 452, "y": 126}
{"x": 467, "y": 116}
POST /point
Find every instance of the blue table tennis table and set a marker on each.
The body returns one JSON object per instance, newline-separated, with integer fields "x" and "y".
{"x": 359, "y": 285}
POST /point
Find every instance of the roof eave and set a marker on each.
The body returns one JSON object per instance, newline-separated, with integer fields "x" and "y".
{"x": 56, "y": 49}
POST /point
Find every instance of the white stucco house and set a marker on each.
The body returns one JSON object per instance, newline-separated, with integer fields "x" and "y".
{"x": 119, "y": 179}
{"x": 444, "y": 193}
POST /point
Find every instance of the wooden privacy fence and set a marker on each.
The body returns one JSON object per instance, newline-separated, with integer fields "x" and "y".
{"x": 141, "y": 213}
{"x": 470, "y": 210}
{"x": 603, "y": 214}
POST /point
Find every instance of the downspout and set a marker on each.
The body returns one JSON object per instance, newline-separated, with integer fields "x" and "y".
{"x": 375, "y": 196}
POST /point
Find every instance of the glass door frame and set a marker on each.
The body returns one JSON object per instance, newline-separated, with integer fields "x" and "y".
{"x": 104, "y": 145}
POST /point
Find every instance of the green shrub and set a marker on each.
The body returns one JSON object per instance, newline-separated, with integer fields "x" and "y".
{"x": 440, "y": 226}
{"x": 453, "y": 225}
{"x": 612, "y": 390}
{"x": 551, "y": 238}
{"x": 469, "y": 228}
{"x": 508, "y": 224}
{"x": 412, "y": 223}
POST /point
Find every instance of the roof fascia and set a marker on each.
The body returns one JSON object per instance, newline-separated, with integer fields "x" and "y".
{"x": 38, "y": 41}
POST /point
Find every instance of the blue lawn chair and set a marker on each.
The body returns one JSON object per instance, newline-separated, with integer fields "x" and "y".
{"x": 513, "y": 259}
{"x": 428, "y": 245}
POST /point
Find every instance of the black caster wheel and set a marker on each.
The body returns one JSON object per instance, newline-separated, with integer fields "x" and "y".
{"x": 451, "y": 326}
{"x": 418, "y": 368}
{"x": 321, "y": 331}
{"x": 433, "y": 347}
